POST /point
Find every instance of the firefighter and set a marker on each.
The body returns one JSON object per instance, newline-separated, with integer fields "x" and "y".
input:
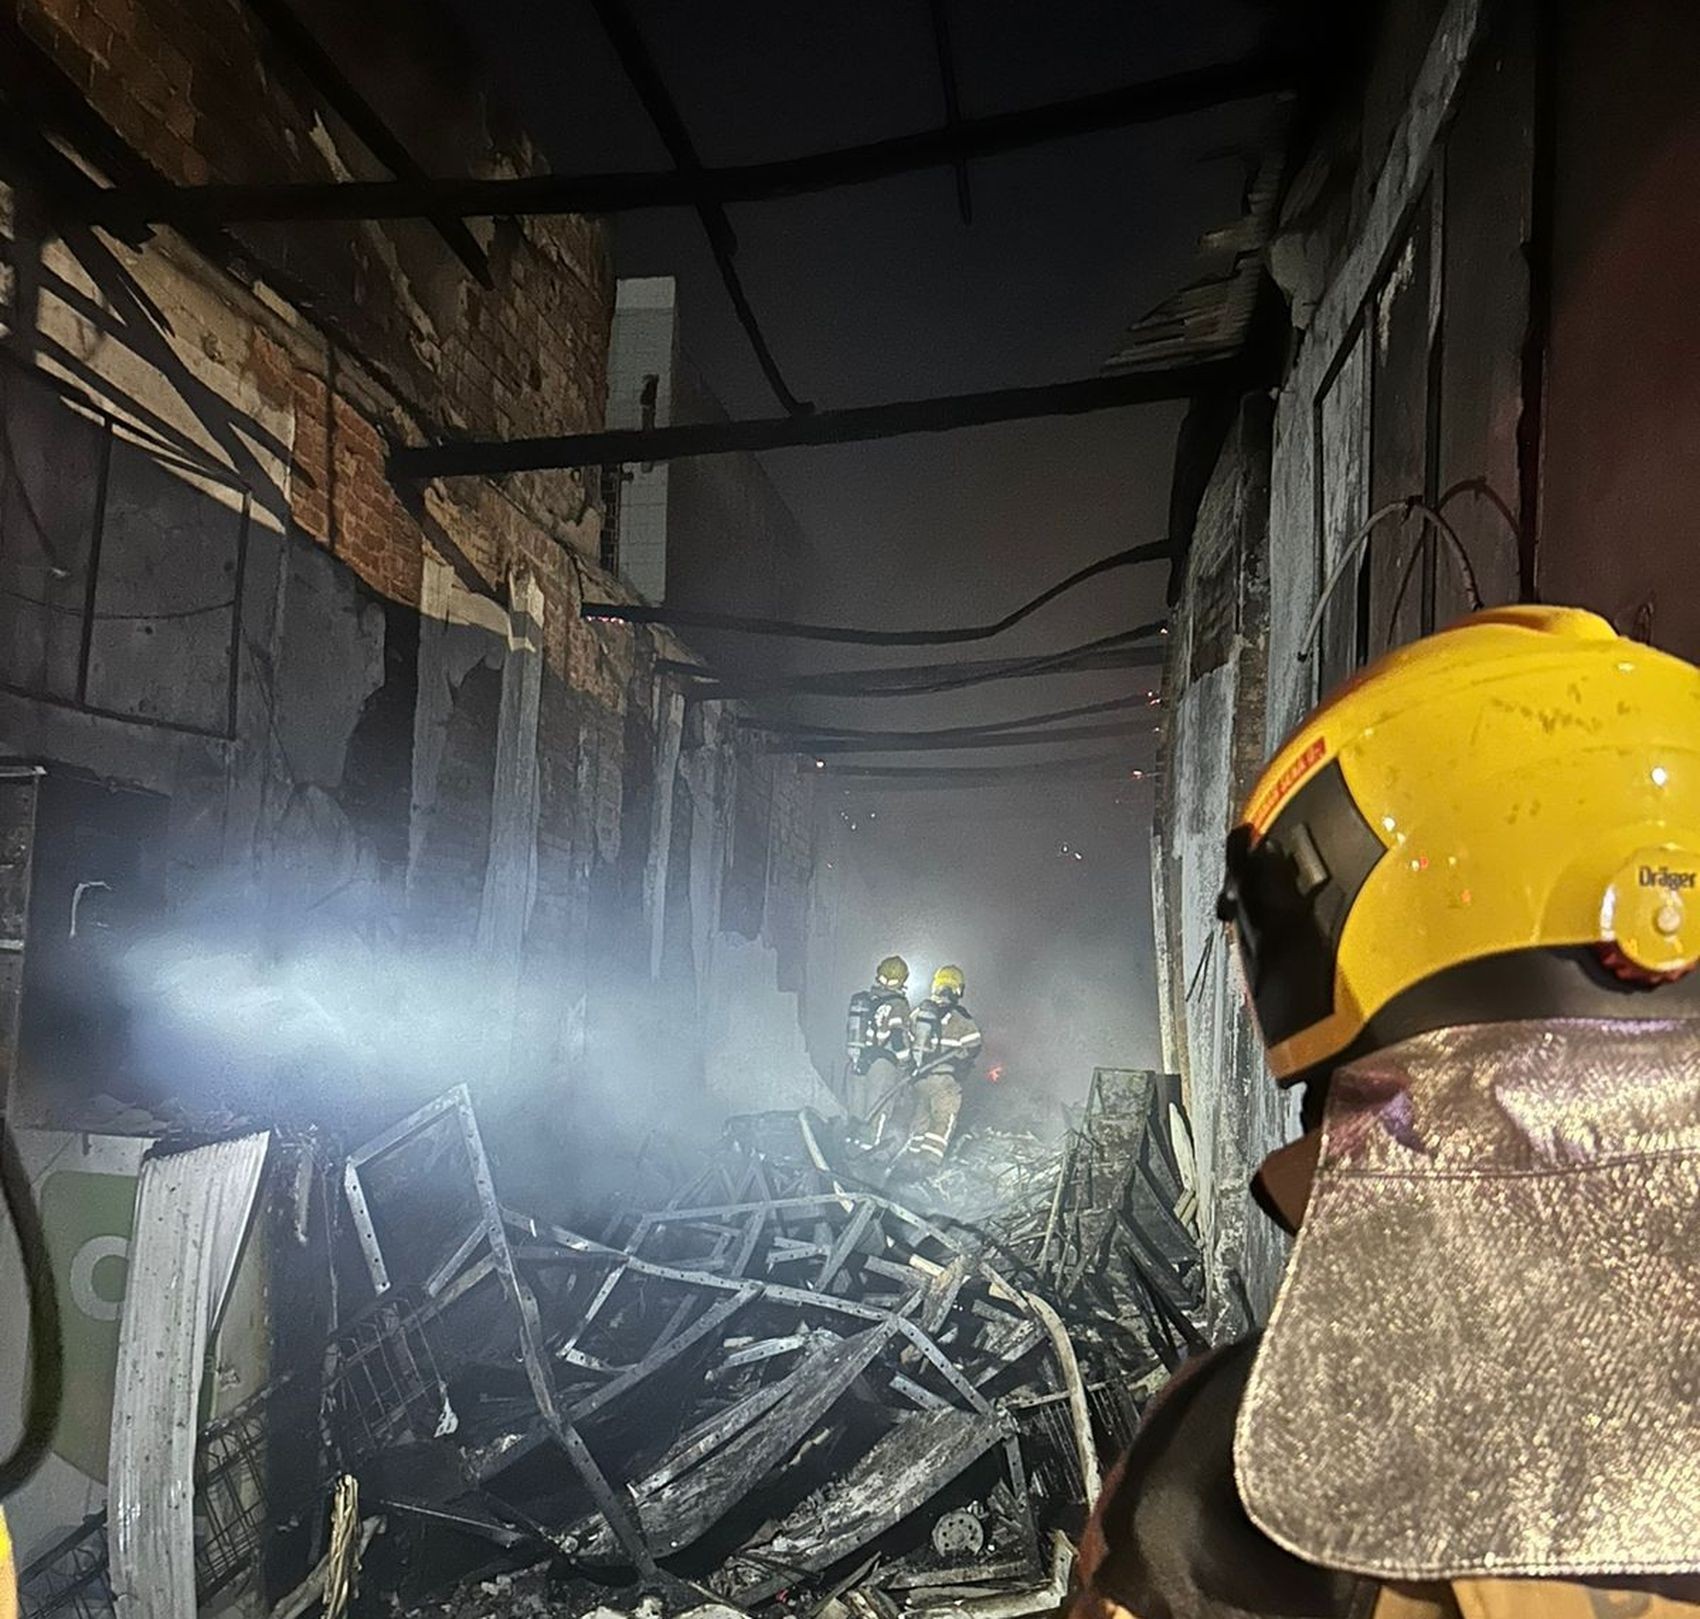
{"x": 1466, "y": 895}
{"x": 878, "y": 1037}
{"x": 946, "y": 1043}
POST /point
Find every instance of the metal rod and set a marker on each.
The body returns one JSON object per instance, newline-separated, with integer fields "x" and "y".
{"x": 91, "y": 563}
{"x": 1063, "y": 1348}
{"x": 952, "y": 103}
{"x": 1108, "y": 765}
{"x": 374, "y": 134}
{"x": 1148, "y": 102}
{"x": 777, "y": 728}
{"x": 743, "y": 624}
{"x": 664, "y": 1355}
{"x": 857, "y": 424}
{"x": 640, "y": 68}
{"x": 1110, "y": 653}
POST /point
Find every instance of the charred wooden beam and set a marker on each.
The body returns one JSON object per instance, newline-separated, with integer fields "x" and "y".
{"x": 322, "y": 72}
{"x": 664, "y": 1355}
{"x": 1148, "y": 102}
{"x": 856, "y": 424}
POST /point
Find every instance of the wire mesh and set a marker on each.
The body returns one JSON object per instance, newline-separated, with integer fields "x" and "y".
{"x": 385, "y": 1387}
{"x": 232, "y": 1518}
{"x": 70, "y": 1580}
{"x": 1048, "y": 1448}
{"x": 1114, "y": 1410}
{"x": 232, "y": 1503}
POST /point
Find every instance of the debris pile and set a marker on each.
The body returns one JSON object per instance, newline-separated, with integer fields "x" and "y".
{"x": 783, "y": 1390}
{"x": 1119, "y": 1242}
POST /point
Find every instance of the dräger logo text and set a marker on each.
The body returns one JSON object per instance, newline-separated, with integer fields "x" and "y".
{"x": 1664, "y": 877}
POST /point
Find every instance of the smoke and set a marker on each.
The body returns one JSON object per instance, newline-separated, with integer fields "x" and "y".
{"x": 239, "y": 1008}
{"x": 329, "y": 1027}
{"x": 1041, "y": 898}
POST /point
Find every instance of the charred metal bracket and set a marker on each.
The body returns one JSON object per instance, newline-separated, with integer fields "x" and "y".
{"x": 614, "y": 1505}
{"x": 415, "y": 1124}
{"x": 365, "y": 1232}
{"x": 711, "y": 1322}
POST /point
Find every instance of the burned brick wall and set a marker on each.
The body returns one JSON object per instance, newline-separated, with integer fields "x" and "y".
{"x": 202, "y": 92}
{"x": 378, "y": 728}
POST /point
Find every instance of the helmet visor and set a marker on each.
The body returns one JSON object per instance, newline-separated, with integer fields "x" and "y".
{"x": 1288, "y": 895}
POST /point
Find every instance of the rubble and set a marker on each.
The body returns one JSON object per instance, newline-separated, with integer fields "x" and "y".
{"x": 780, "y": 1390}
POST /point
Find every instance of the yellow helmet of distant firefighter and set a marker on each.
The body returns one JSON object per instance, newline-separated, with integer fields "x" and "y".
{"x": 893, "y": 972}
{"x": 948, "y": 982}
{"x": 1501, "y": 820}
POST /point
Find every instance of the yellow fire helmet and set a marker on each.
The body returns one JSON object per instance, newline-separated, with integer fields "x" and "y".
{"x": 893, "y": 972}
{"x": 949, "y": 981}
{"x": 1499, "y": 821}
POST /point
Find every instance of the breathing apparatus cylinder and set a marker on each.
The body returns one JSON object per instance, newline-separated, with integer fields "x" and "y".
{"x": 859, "y": 1031}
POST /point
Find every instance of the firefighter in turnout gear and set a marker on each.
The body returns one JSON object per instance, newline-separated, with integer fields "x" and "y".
{"x": 1466, "y": 896}
{"x": 946, "y": 1042}
{"x": 878, "y": 1042}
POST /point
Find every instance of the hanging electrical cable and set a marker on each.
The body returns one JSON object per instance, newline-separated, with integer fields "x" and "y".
{"x": 1409, "y": 506}
{"x": 1108, "y": 766}
{"x": 897, "y": 742}
{"x": 1127, "y": 649}
{"x": 752, "y": 722}
{"x": 686, "y": 618}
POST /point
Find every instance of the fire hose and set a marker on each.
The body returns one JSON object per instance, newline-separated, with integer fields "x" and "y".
{"x": 909, "y": 1079}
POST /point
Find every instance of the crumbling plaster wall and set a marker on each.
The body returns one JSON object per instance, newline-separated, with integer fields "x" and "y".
{"x": 754, "y": 985}
{"x": 324, "y": 791}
